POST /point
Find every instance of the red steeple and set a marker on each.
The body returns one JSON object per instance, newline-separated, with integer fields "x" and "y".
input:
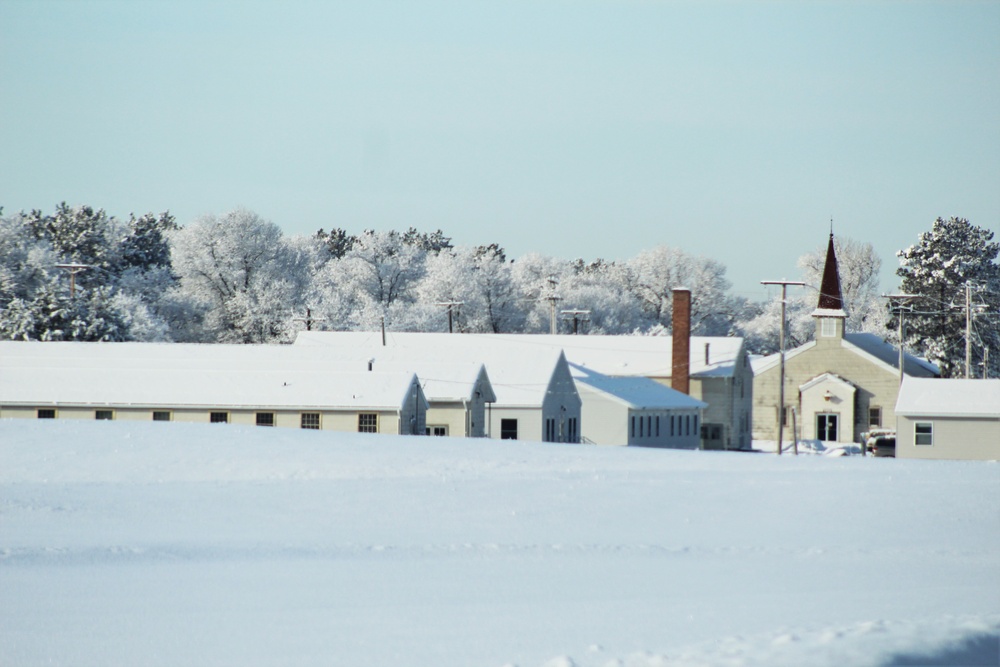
{"x": 829, "y": 291}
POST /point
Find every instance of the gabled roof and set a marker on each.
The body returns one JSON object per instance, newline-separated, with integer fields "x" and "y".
{"x": 519, "y": 374}
{"x": 826, "y": 377}
{"x": 889, "y": 353}
{"x": 868, "y": 346}
{"x": 183, "y": 375}
{"x": 936, "y": 397}
{"x": 640, "y": 393}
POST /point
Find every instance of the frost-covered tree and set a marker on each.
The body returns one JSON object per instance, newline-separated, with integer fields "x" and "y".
{"x": 247, "y": 279}
{"x": 377, "y": 280}
{"x": 114, "y": 298}
{"x": 478, "y": 280}
{"x": 653, "y": 275}
{"x": 938, "y": 267}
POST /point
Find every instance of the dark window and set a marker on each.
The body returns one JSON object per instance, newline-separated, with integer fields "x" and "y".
{"x": 696, "y": 423}
{"x": 310, "y": 420}
{"x": 923, "y": 433}
{"x": 874, "y": 417}
{"x": 573, "y": 437}
{"x": 46, "y": 413}
{"x": 550, "y": 430}
{"x": 508, "y": 429}
{"x": 161, "y": 416}
{"x": 633, "y": 427}
{"x": 265, "y": 419}
{"x": 436, "y": 430}
{"x": 218, "y": 417}
{"x": 672, "y": 425}
{"x": 104, "y": 415}
{"x": 367, "y": 422}
{"x": 657, "y": 426}
{"x": 649, "y": 425}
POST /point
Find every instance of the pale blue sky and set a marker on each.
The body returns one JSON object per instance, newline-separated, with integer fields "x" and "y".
{"x": 569, "y": 128}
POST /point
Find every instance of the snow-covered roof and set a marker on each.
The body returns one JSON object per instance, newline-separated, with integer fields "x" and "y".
{"x": 889, "y": 353}
{"x": 867, "y": 345}
{"x": 519, "y": 374}
{"x": 641, "y": 356}
{"x": 185, "y": 375}
{"x": 640, "y": 393}
{"x": 936, "y": 397}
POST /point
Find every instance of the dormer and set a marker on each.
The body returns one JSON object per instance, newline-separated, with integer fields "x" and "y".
{"x": 829, "y": 311}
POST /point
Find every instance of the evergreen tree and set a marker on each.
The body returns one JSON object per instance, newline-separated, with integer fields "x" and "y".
{"x": 938, "y": 268}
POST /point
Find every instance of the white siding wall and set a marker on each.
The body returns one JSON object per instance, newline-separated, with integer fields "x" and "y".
{"x": 953, "y": 438}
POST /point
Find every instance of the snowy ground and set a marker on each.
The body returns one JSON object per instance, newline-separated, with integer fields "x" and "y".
{"x": 170, "y": 544}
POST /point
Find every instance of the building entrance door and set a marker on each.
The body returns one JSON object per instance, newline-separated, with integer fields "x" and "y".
{"x": 826, "y": 427}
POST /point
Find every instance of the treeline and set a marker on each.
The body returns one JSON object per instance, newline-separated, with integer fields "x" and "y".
{"x": 237, "y": 278}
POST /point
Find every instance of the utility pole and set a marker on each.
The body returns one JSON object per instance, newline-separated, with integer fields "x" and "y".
{"x": 781, "y": 343}
{"x": 552, "y": 299}
{"x": 577, "y": 316}
{"x": 450, "y": 306}
{"x": 308, "y": 320}
{"x": 73, "y": 269}
{"x": 968, "y": 330}
{"x": 900, "y": 310}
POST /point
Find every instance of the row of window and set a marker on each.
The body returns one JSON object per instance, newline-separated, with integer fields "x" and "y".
{"x": 649, "y": 426}
{"x": 552, "y": 433}
{"x": 367, "y": 422}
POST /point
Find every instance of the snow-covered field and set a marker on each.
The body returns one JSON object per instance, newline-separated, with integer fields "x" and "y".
{"x": 173, "y": 544}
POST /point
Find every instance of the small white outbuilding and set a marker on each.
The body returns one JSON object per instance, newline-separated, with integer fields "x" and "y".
{"x": 948, "y": 419}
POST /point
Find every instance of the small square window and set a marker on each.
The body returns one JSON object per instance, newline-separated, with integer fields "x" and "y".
{"x": 265, "y": 419}
{"x": 367, "y": 422}
{"x": 310, "y": 420}
{"x": 218, "y": 417}
{"x": 436, "y": 430}
{"x": 46, "y": 413}
{"x": 104, "y": 415}
{"x": 508, "y": 429}
{"x": 161, "y": 416}
{"x": 923, "y": 433}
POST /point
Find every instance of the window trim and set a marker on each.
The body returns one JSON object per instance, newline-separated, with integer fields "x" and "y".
{"x": 310, "y": 415}
{"x": 928, "y": 434}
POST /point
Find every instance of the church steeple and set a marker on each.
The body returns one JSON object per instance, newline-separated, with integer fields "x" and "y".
{"x": 829, "y": 311}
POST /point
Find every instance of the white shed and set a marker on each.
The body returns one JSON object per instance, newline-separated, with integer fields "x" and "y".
{"x": 636, "y": 411}
{"x": 948, "y": 419}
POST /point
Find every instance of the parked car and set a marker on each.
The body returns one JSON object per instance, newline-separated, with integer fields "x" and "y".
{"x": 881, "y": 443}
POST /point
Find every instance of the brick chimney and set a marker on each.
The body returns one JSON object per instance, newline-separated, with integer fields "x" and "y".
{"x": 681, "y": 325}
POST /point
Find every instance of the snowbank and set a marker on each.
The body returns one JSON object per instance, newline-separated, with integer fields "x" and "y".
{"x": 166, "y": 544}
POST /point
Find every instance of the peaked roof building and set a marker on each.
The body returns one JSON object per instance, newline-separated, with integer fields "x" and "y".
{"x": 837, "y": 386}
